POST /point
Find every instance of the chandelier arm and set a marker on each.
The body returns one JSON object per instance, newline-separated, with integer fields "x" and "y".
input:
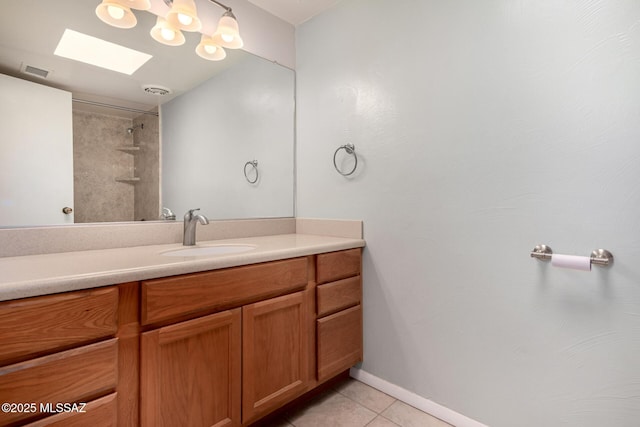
{"x": 227, "y": 8}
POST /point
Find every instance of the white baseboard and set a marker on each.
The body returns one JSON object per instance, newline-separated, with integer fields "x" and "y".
{"x": 425, "y": 405}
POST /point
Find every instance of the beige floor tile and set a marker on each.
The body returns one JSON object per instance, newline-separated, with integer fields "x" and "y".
{"x": 270, "y": 421}
{"x": 277, "y": 423}
{"x": 381, "y": 421}
{"x": 408, "y": 416}
{"x": 365, "y": 395}
{"x": 332, "y": 409}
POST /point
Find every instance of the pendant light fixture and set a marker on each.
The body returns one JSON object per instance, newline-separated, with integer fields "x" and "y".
{"x": 164, "y": 32}
{"x": 182, "y": 16}
{"x": 139, "y": 4}
{"x": 116, "y": 13}
{"x": 210, "y": 50}
{"x": 228, "y": 33}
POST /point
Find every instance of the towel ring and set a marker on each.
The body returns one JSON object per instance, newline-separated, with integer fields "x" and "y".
{"x": 350, "y": 149}
{"x": 254, "y": 164}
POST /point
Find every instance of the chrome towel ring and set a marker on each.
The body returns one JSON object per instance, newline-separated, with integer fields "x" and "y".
{"x": 254, "y": 165}
{"x": 350, "y": 149}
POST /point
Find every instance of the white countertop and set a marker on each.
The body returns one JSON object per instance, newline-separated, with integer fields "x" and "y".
{"x": 33, "y": 275}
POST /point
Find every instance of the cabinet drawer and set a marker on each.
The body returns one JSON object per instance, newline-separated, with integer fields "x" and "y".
{"x": 164, "y": 299}
{"x": 70, "y": 376}
{"x": 34, "y": 326}
{"x": 335, "y": 296}
{"x": 97, "y": 413}
{"x": 338, "y": 265}
{"x": 339, "y": 342}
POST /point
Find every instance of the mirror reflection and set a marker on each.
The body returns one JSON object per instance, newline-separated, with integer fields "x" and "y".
{"x": 183, "y": 150}
{"x": 116, "y": 166}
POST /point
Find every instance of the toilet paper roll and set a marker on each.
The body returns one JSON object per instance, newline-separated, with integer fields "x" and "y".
{"x": 574, "y": 262}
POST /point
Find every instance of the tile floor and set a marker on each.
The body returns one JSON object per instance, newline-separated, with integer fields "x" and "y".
{"x": 354, "y": 404}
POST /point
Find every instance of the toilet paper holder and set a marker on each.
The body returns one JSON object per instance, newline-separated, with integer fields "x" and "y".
{"x": 601, "y": 257}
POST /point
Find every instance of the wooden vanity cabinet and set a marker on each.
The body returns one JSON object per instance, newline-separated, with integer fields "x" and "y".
{"x": 229, "y": 367}
{"x": 219, "y": 348}
{"x": 339, "y": 312}
{"x": 65, "y": 348}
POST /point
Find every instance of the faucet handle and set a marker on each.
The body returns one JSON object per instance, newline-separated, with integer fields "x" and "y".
{"x": 189, "y": 213}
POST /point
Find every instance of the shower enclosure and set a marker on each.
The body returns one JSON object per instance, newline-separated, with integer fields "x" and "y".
{"x": 116, "y": 166}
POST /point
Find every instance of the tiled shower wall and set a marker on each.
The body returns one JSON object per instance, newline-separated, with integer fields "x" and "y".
{"x": 98, "y": 197}
{"x": 96, "y": 165}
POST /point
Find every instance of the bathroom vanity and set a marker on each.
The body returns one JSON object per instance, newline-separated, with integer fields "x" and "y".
{"x": 224, "y": 345}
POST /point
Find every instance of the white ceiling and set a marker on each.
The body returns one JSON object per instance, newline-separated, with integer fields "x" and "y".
{"x": 294, "y": 11}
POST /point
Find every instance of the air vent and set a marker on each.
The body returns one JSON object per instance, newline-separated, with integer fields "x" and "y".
{"x": 156, "y": 90}
{"x": 34, "y": 71}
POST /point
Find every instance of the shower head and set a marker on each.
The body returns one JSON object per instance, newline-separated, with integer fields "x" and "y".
{"x": 131, "y": 129}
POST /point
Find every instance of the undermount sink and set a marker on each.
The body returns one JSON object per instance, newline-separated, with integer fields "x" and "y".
{"x": 209, "y": 250}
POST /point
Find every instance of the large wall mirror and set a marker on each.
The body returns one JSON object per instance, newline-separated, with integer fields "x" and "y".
{"x": 222, "y": 140}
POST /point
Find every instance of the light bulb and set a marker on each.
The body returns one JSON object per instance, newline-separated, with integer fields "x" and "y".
{"x": 185, "y": 19}
{"x": 210, "y": 49}
{"x": 115, "y": 12}
{"x": 168, "y": 34}
{"x": 227, "y": 37}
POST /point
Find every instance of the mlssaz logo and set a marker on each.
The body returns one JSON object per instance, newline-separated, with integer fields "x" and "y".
{"x": 54, "y": 408}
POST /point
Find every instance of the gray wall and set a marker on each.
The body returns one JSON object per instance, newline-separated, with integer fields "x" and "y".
{"x": 485, "y": 128}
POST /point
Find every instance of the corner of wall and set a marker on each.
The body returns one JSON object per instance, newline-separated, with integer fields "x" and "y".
{"x": 351, "y": 229}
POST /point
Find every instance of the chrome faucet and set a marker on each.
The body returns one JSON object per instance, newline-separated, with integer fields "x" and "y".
{"x": 190, "y": 222}
{"x": 167, "y": 214}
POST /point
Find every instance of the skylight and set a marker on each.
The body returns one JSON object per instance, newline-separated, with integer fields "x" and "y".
{"x": 101, "y": 53}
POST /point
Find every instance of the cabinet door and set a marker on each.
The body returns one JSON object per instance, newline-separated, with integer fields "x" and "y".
{"x": 275, "y": 365}
{"x": 190, "y": 373}
{"x": 339, "y": 342}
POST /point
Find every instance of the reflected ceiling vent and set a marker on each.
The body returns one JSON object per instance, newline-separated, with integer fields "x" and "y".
{"x": 156, "y": 90}
{"x": 34, "y": 71}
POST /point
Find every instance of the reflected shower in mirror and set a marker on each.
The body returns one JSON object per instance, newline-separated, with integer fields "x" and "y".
{"x": 116, "y": 166}
{"x": 217, "y": 116}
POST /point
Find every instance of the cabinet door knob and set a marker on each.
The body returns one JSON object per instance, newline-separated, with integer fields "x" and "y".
{"x": 67, "y": 210}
